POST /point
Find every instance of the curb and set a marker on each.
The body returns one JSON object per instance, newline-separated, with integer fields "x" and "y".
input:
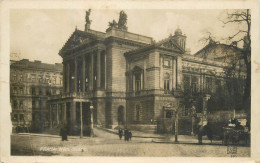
{"x": 52, "y": 136}
{"x": 113, "y": 132}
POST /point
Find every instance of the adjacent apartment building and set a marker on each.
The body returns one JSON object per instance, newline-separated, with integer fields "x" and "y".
{"x": 31, "y": 83}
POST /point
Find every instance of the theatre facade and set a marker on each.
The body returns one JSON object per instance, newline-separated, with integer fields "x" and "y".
{"x": 129, "y": 79}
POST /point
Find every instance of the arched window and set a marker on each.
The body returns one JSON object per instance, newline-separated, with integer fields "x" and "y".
{"x": 137, "y": 79}
{"x": 166, "y": 78}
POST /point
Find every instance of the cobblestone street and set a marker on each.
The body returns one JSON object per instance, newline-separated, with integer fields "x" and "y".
{"x": 108, "y": 144}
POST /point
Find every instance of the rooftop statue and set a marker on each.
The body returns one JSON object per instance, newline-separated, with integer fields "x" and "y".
{"x": 122, "y": 21}
{"x": 112, "y": 24}
{"x": 88, "y": 21}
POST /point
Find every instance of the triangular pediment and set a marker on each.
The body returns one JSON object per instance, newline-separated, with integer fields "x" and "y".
{"x": 170, "y": 43}
{"x": 76, "y": 39}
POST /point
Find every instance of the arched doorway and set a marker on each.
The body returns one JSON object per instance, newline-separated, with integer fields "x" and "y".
{"x": 120, "y": 115}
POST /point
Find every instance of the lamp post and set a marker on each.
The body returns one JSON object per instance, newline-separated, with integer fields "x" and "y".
{"x": 91, "y": 123}
{"x": 81, "y": 122}
{"x": 193, "y": 112}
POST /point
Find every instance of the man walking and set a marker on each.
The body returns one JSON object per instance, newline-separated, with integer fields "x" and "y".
{"x": 120, "y": 133}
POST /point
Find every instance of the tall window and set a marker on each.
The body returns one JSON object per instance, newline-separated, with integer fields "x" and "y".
{"x": 208, "y": 85}
{"x": 138, "y": 81}
{"x": 137, "y": 113}
{"x": 33, "y": 104}
{"x": 194, "y": 84}
{"x": 54, "y": 80}
{"x": 21, "y": 90}
{"x": 166, "y": 81}
{"x": 15, "y": 104}
{"x": 21, "y": 104}
{"x": 15, "y": 90}
{"x": 15, "y": 77}
{"x": 33, "y": 77}
{"x": 21, "y": 77}
{"x": 186, "y": 80}
{"x": 33, "y": 91}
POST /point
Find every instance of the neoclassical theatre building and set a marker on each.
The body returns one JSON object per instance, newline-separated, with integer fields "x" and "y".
{"x": 129, "y": 79}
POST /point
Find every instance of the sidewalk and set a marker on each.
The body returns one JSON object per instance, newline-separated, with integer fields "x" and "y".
{"x": 165, "y": 138}
{"x": 135, "y": 133}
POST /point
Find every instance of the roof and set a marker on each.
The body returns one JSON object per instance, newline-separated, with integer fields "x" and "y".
{"x": 168, "y": 44}
{"x": 26, "y": 64}
{"x": 218, "y": 52}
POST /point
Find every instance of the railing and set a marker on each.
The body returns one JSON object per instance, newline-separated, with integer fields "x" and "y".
{"x": 73, "y": 95}
{"x": 129, "y": 36}
{"x": 151, "y": 92}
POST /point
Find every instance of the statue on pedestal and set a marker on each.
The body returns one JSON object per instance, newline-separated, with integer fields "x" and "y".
{"x": 122, "y": 21}
{"x": 88, "y": 21}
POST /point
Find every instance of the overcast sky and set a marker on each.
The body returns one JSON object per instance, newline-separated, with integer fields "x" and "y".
{"x": 40, "y": 34}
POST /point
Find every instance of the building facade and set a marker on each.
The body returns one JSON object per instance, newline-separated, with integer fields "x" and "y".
{"x": 31, "y": 83}
{"x": 131, "y": 80}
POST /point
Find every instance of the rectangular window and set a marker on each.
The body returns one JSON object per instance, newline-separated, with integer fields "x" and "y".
{"x": 21, "y": 77}
{"x": 21, "y": 118}
{"x": 33, "y": 78}
{"x": 15, "y": 117}
{"x": 33, "y": 91}
{"x": 15, "y": 77}
{"x": 15, "y": 90}
{"x": 194, "y": 84}
{"x": 21, "y": 90}
{"x": 21, "y": 104}
{"x": 40, "y": 91}
{"x": 166, "y": 62}
{"x": 48, "y": 92}
{"x": 33, "y": 104}
{"x": 54, "y": 91}
{"x": 15, "y": 104}
{"x": 208, "y": 85}
{"x": 169, "y": 113}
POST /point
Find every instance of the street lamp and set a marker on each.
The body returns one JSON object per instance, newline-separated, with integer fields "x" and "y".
{"x": 92, "y": 123}
{"x": 193, "y": 113}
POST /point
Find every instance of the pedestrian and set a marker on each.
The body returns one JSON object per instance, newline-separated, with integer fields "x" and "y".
{"x": 130, "y": 135}
{"x": 126, "y": 134}
{"x": 200, "y": 134}
{"x": 63, "y": 133}
{"x": 120, "y": 133}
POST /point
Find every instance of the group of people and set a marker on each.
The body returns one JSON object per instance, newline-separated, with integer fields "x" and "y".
{"x": 127, "y": 134}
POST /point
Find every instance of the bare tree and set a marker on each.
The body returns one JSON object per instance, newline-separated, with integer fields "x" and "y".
{"x": 243, "y": 18}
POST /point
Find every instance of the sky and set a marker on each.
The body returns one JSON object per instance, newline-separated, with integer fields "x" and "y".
{"x": 39, "y": 34}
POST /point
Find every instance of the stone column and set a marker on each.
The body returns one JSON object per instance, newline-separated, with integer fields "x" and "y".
{"x": 205, "y": 108}
{"x": 84, "y": 74}
{"x": 50, "y": 116}
{"x": 174, "y": 73}
{"x": 68, "y": 77}
{"x": 58, "y": 118}
{"x": 92, "y": 72}
{"x": 64, "y": 77}
{"x": 98, "y": 66}
{"x": 65, "y": 113}
{"x": 81, "y": 121}
{"x": 179, "y": 73}
{"x": 75, "y": 75}
{"x": 73, "y": 115}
